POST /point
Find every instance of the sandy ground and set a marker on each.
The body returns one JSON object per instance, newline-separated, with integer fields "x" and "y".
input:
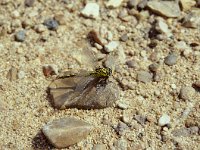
{"x": 25, "y": 107}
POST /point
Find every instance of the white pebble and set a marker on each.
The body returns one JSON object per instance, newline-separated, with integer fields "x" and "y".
{"x": 113, "y": 3}
{"x": 164, "y": 120}
{"x": 111, "y": 46}
{"x": 91, "y": 10}
{"x": 21, "y": 74}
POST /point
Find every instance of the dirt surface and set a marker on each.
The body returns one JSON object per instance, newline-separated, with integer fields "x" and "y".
{"x": 24, "y": 104}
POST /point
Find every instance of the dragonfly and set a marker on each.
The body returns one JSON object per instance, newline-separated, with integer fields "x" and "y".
{"x": 84, "y": 89}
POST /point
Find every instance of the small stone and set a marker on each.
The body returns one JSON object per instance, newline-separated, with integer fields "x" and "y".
{"x": 49, "y": 70}
{"x": 197, "y": 84}
{"x": 15, "y": 14}
{"x": 124, "y": 38}
{"x": 122, "y": 104}
{"x": 186, "y": 93}
{"x": 51, "y": 24}
{"x": 144, "y": 76}
{"x": 121, "y": 144}
{"x": 67, "y": 131}
{"x": 29, "y": 3}
{"x": 164, "y": 120}
{"x": 21, "y": 74}
{"x": 173, "y": 86}
{"x": 153, "y": 67}
{"x": 141, "y": 119}
{"x": 187, "y": 4}
{"x": 20, "y": 36}
{"x": 91, "y": 10}
{"x": 165, "y": 8}
{"x": 133, "y": 3}
{"x": 99, "y": 147}
{"x": 162, "y": 27}
{"x": 12, "y": 74}
{"x": 40, "y": 28}
{"x": 132, "y": 64}
{"x": 142, "y": 4}
{"x": 121, "y": 127}
{"x": 171, "y": 59}
{"x": 114, "y": 3}
{"x": 126, "y": 118}
{"x": 111, "y": 46}
{"x": 62, "y": 19}
{"x": 192, "y": 20}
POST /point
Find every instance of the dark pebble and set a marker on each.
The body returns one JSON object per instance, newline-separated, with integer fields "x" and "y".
{"x": 132, "y": 3}
{"x": 29, "y": 3}
{"x": 131, "y": 64}
{"x": 171, "y": 59}
{"x": 51, "y": 24}
{"x": 124, "y": 38}
{"x": 20, "y": 36}
{"x": 153, "y": 67}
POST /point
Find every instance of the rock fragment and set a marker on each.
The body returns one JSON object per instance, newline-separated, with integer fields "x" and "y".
{"x": 91, "y": 10}
{"x": 124, "y": 38}
{"x": 192, "y": 20}
{"x": 20, "y": 36}
{"x": 144, "y": 76}
{"x": 111, "y": 46}
{"x": 114, "y": 3}
{"x": 187, "y": 4}
{"x": 29, "y": 3}
{"x": 165, "y": 8}
{"x": 51, "y": 24}
{"x": 171, "y": 59}
{"x": 186, "y": 93}
{"x": 164, "y": 120}
{"x": 67, "y": 131}
{"x": 162, "y": 27}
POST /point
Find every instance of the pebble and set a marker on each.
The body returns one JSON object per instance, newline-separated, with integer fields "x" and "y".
{"x": 124, "y": 38}
{"x": 186, "y": 131}
{"x": 91, "y": 10}
{"x": 29, "y": 3}
{"x": 20, "y": 36}
{"x": 162, "y": 27}
{"x": 192, "y": 20}
{"x": 21, "y": 74}
{"x": 144, "y": 76}
{"x": 142, "y": 4}
{"x": 114, "y": 3}
{"x": 111, "y": 46}
{"x": 171, "y": 59}
{"x": 64, "y": 132}
{"x": 197, "y": 84}
{"x": 186, "y": 93}
{"x": 49, "y": 70}
{"x": 62, "y": 19}
{"x": 121, "y": 144}
{"x": 133, "y": 3}
{"x": 140, "y": 119}
{"x": 15, "y": 14}
{"x": 99, "y": 147}
{"x": 121, "y": 127}
{"x": 164, "y": 120}
{"x": 153, "y": 67}
{"x": 122, "y": 104}
{"x": 51, "y": 24}
{"x": 187, "y": 4}
{"x": 165, "y": 8}
{"x": 12, "y": 74}
{"x": 132, "y": 64}
{"x": 126, "y": 118}
{"x": 40, "y": 28}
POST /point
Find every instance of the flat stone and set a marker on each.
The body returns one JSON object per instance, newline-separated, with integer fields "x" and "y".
{"x": 186, "y": 93}
{"x": 64, "y": 132}
{"x": 164, "y": 120}
{"x": 91, "y": 10}
{"x": 171, "y": 59}
{"x": 20, "y": 36}
{"x": 51, "y": 24}
{"x": 192, "y": 20}
{"x": 122, "y": 104}
{"x": 165, "y": 8}
{"x": 162, "y": 27}
{"x": 65, "y": 94}
{"x": 111, "y": 46}
{"x": 144, "y": 76}
{"x": 114, "y": 3}
{"x": 140, "y": 119}
{"x": 187, "y": 4}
